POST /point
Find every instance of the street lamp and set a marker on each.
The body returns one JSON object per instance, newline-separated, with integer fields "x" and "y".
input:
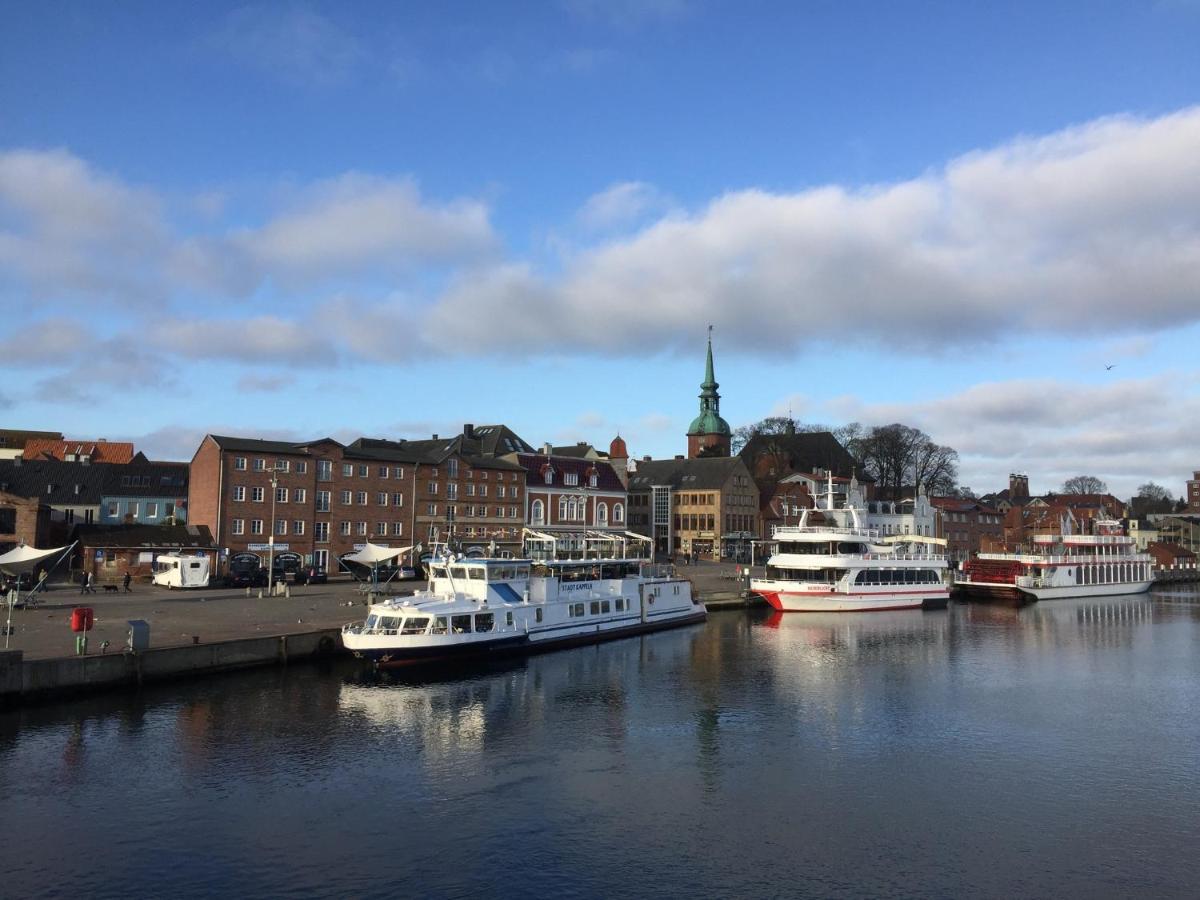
{"x": 271, "y": 537}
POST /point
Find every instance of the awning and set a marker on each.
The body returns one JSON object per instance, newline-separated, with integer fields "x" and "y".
{"x": 638, "y": 537}
{"x": 373, "y": 553}
{"x": 25, "y": 558}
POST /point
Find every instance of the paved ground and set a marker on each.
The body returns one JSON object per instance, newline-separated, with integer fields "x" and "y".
{"x": 219, "y": 614}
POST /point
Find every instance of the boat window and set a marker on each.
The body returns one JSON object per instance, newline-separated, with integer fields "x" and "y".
{"x": 415, "y": 625}
{"x": 605, "y": 607}
{"x": 542, "y": 571}
{"x": 595, "y": 608}
{"x": 485, "y": 622}
{"x": 458, "y": 572}
{"x": 849, "y": 547}
{"x": 576, "y": 610}
{"x": 372, "y": 621}
{"x": 460, "y": 624}
{"x": 508, "y": 619}
{"x": 522, "y": 572}
{"x": 477, "y": 573}
{"x": 537, "y": 614}
{"x": 439, "y": 625}
{"x": 389, "y": 624}
{"x": 437, "y": 572}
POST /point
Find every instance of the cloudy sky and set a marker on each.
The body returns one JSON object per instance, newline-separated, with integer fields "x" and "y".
{"x": 299, "y": 220}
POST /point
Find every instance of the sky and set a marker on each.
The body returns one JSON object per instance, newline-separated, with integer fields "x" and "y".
{"x": 300, "y": 220}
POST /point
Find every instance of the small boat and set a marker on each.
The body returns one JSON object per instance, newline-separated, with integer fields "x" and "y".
{"x": 844, "y": 566}
{"x": 1101, "y": 564}
{"x": 484, "y": 607}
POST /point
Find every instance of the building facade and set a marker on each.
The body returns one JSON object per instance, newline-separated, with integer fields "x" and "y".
{"x": 577, "y": 501}
{"x": 967, "y": 526}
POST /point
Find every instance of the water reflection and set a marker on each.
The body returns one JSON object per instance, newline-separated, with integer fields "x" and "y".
{"x": 975, "y": 750}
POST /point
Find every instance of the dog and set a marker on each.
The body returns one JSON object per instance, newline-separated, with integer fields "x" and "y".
{"x": 111, "y": 587}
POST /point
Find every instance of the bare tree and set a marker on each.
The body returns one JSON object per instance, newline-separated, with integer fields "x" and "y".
{"x": 1152, "y": 498}
{"x": 1084, "y": 484}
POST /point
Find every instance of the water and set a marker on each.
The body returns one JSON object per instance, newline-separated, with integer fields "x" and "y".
{"x": 1052, "y": 751}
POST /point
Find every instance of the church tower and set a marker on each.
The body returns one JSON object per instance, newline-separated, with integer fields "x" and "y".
{"x": 709, "y": 434}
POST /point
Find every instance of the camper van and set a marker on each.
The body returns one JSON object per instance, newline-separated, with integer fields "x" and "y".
{"x": 177, "y": 570}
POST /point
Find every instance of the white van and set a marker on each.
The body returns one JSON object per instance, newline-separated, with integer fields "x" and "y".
{"x": 177, "y": 570}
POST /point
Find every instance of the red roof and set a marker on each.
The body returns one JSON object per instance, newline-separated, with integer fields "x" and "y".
{"x": 96, "y": 451}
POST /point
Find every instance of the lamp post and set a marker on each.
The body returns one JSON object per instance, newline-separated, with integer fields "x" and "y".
{"x": 271, "y": 537}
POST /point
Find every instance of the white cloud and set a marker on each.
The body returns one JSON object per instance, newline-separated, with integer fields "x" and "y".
{"x": 295, "y": 44}
{"x": 1093, "y": 230}
{"x": 265, "y": 384}
{"x": 620, "y": 205}
{"x": 1125, "y": 433}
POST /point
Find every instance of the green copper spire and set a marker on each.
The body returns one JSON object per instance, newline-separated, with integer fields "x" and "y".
{"x": 709, "y": 421}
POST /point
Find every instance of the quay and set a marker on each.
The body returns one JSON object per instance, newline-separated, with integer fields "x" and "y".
{"x": 208, "y": 630}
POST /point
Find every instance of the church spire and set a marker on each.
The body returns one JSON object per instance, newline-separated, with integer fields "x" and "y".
{"x": 709, "y": 434}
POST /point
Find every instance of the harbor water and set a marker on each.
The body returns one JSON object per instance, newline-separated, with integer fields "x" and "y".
{"x": 1051, "y": 751}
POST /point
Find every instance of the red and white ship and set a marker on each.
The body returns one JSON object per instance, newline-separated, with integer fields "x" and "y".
{"x": 1101, "y": 564}
{"x": 844, "y": 566}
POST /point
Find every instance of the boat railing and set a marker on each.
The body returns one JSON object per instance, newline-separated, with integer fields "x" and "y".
{"x": 1071, "y": 559}
{"x": 882, "y": 557}
{"x": 656, "y": 570}
{"x": 785, "y": 530}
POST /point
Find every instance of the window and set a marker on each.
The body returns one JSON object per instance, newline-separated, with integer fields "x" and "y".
{"x": 383, "y": 471}
{"x": 433, "y": 489}
{"x": 537, "y": 614}
{"x": 593, "y": 480}
{"x": 281, "y": 526}
{"x": 256, "y": 526}
{"x": 152, "y": 510}
{"x": 282, "y": 465}
{"x": 347, "y": 470}
{"x": 399, "y": 471}
{"x": 549, "y": 473}
{"x": 260, "y": 465}
{"x": 537, "y": 512}
{"x": 324, "y": 470}
{"x": 470, "y": 490}
{"x": 258, "y": 494}
{"x": 239, "y": 526}
{"x": 618, "y": 513}
{"x": 460, "y": 624}
{"x": 281, "y": 495}
{"x": 485, "y": 621}
{"x": 299, "y": 494}
{"x": 323, "y": 501}
{"x": 602, "y": 513}
{"x": 239, "y": 494}
{"x": 301, "y": 468}
{"x": 571, "y": 478}
{"x": 239, "y": 463}
{"x": 562, "y": 509}
{"x": 398, "y": 499}
{"x": 298, "y": 527}
{"x": 397, "y": 529}
{"x": 432, "y": 511}
{"x": 499, "y": 491}
{"x": 346, "y": 496}
{"x": 381, "y": 528}
{"x": 321, "y": 532}
{"x": 344, "y": 527}
{"x": 452, "y": 468}
{"x": 361, "y": 497}
{"x": 361, "y": 529}
{"x": 114, "y": 510}
{"x": 452, "y": 490}
{"x": 381, "y": 498}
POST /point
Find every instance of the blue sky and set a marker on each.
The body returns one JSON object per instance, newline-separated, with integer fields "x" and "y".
{"x": 304, "y": 219}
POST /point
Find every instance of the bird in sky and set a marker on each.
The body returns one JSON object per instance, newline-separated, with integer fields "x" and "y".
{"x": 1106, "y": 368}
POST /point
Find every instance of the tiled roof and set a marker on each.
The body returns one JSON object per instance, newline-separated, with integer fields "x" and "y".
{"x": 961, "y": 504}
{"x": 53, "y": 482}
{"x": 704, "y": 474}
{"x": 96, "y": 451}
{"x": 534, "y": 466}
{"x": 805, "y": 451}
{"x": 159, "y": 536}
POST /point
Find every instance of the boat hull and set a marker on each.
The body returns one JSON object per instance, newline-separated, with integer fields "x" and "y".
{"x": 509, "y": 645}
{"x": 792, "y": 601}
{"x": 1018, "y": 595}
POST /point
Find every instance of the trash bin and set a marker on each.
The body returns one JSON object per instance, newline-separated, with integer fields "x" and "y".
{"x": 139, "y": 634}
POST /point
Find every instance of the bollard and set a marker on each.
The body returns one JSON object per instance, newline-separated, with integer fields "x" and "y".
{"x": 195, "y": 638}
{"x": 287, "y": 591}
{"x": 260, "y": 593}
{"x": 81, "y": 644}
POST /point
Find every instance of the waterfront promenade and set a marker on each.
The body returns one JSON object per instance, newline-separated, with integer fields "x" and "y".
{"x": 180, "y": 618}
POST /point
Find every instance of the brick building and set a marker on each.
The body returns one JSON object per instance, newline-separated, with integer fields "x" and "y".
{"x": 23, "y": 520}
{"x": 967, "y": 526}
{"x": 1192, "y": 497}
{"x": 572, "y": 498}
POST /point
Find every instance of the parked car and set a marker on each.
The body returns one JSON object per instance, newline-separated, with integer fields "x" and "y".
{"x": 22, "y": 582}
{"x": 311, "y": 575}
{"x": 246, "y": 578}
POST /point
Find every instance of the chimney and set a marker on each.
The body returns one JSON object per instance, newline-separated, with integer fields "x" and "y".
{"x": 435, "y": 437}
{"x": 547, "y": 450}
{"x": 646, "y": 459}
{"x": 679, "y": 456}
{"x": 469, "y": 431}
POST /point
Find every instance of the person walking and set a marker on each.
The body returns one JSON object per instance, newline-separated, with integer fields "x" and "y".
{"x": 83, "y": 582}
{"x": 41, "y": 585}
{"x": 88, "y": 587}
{"x": 125, "y": 581}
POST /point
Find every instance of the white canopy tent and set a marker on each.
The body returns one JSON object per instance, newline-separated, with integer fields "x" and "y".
{"x": 24, "y": 558}
{"x": 373, "y": 553}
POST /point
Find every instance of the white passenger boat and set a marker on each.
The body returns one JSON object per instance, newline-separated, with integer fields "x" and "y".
{"x": 477, "y": 607}
{"x": 1105, "y": 563}
{"x": 844, "y": 566}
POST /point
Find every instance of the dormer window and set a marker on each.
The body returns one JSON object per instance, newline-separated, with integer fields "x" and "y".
{"x": 571, "y": 478}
